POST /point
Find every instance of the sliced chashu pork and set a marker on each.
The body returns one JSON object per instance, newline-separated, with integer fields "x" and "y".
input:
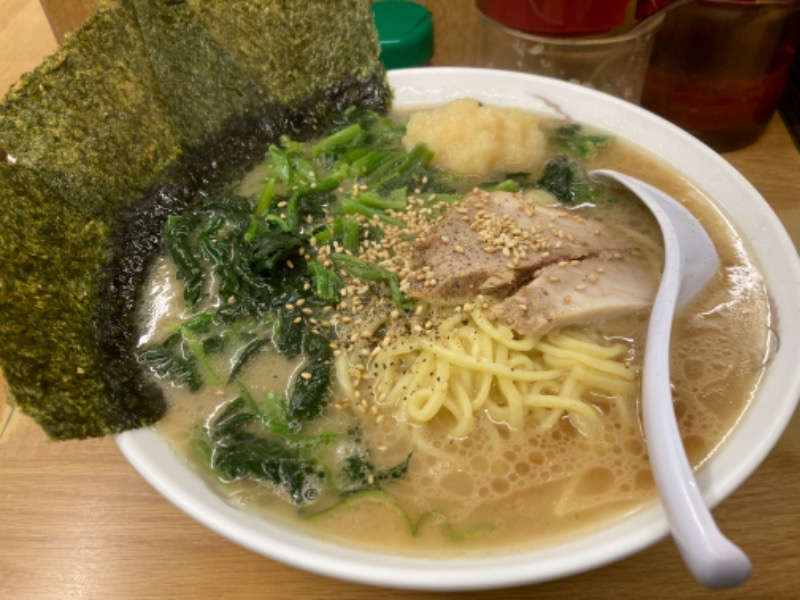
{"x": 601, "y": 287}
{"x": 493, "y": 242}
{"x": 552, "y": 266}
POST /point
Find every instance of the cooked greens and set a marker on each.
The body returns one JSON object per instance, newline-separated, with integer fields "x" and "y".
{"x": 247, "y": 267}
{"x": 565, "y": 179}
{"x": 564, "y": 175}
{"x": 578, "y": 143}
{"x": 255, "y": 440}
{"x": 122, "y": 127}
{"x": 235, "y": 452}
{"x": 413, "y": 526}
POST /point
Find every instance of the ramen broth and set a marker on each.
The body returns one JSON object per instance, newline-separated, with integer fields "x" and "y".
{"x": 500, "y": 488}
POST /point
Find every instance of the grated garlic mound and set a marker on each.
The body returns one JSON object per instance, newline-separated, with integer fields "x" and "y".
{"x": 471, "y": 139}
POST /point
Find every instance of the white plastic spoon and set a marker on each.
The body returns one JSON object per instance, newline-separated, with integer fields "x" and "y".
{"x": 690, "y": 261}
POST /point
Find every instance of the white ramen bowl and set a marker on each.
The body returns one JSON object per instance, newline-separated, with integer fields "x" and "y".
{"x": 750, "y": 442}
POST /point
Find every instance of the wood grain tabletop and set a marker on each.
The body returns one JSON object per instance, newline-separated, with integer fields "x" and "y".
{"x": 79, "y": 523}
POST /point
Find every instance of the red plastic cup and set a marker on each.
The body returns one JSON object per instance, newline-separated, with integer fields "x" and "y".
{"x": 557, "y": 17}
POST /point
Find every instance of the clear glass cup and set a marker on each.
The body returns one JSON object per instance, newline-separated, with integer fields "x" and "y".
{"x": 719, "y": 67}
{"x": 611, "y": 63}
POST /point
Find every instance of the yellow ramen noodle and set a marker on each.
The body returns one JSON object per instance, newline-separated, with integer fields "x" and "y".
{"x": 479, "y": 366}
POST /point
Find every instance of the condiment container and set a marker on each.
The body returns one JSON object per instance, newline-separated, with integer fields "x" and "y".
{"x": 613, "y": 61}
{"x": 719, "y": 67}
{"x": 405, "y": 30}
{"x": 557, "y": 17}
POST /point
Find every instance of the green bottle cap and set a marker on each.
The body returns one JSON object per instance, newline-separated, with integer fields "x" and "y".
{"x": 405, "y": 30}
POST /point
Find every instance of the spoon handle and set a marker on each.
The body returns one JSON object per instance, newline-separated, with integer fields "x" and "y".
{"x": 714, "y": 560}
{"x": 690, "y": 261}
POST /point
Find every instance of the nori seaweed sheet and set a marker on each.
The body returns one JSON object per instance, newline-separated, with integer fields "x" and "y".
{"x": 88, "y": 120}
{"x": 195, "y": 68}
{"x": 148, "y": 106}
{"x": 311, "y": 35}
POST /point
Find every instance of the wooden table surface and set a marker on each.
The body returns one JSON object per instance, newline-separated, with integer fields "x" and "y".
{"x": 79, "y": 523}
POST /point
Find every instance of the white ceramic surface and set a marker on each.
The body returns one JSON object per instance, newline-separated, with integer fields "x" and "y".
{"x": 749, "y": 444}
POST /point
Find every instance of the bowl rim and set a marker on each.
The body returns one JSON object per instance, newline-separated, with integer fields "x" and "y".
{"x": 760, "y": 426}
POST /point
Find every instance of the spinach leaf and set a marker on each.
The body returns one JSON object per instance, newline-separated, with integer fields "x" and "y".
{"x": 373, "y": 273}
{"x": 360, "y": 474}
{"x": 578, "y": 143}
{"x": 244, "y": 354}
{"x": 174, "y": 361}
{"x": 274, "y": 247}
{"x": 237, "y": 453}
{"x": 311, "y": 391}
{"x": 327, "y": 283}
{"x": 564, "y": 178}
{"x": 177, "y": 236}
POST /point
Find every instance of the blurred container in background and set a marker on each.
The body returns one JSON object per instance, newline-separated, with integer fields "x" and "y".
{"x": 719, "y": 67}
{"x": 614, "y": 61}
{"x": 405, "y": 31}
{"x": 557, "y": 17}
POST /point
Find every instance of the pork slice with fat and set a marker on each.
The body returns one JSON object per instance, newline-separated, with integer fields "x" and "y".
{"x": 492, "y": 243}
{"x": 605, "y": 286}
